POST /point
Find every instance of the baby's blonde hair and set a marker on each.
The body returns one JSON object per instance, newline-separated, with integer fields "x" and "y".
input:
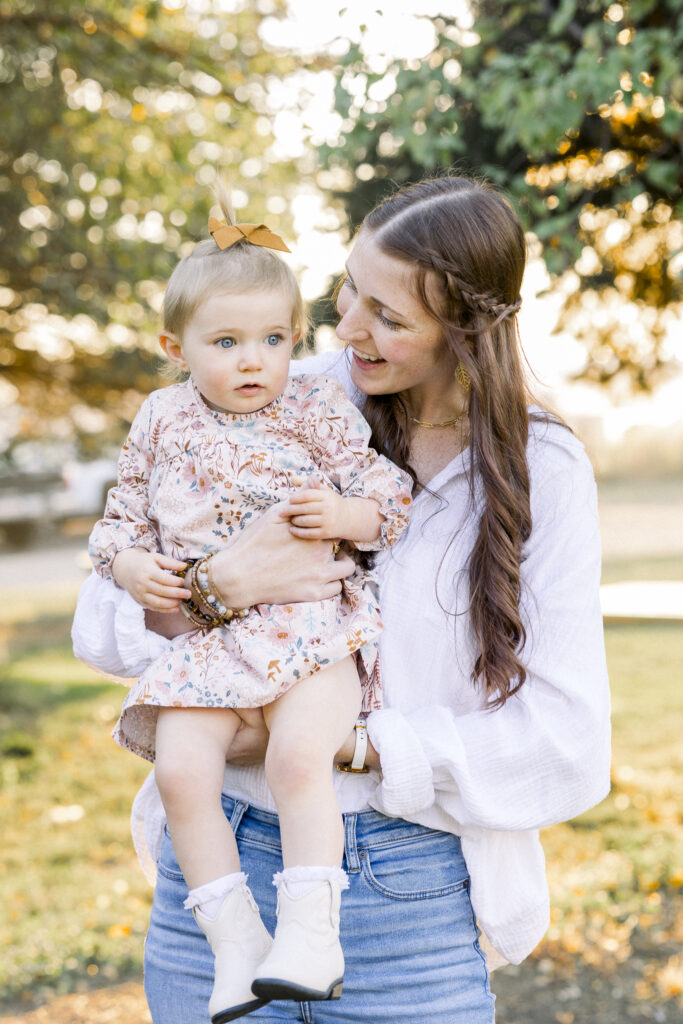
{"x": 209, "y": 270}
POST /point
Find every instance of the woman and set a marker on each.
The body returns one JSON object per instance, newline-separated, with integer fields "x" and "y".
{"x": 495, "y": 721}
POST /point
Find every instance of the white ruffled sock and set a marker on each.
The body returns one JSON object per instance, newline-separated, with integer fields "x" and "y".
{"x": 210, "y": 897}
{"x": 301, "y": 880}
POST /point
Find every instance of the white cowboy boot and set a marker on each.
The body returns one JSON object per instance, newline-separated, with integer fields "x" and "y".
{"x": 306, "y": 961}
{"x": 239, "y": 941}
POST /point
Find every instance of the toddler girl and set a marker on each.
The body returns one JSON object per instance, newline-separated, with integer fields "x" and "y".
{"x": 202, "y": 458}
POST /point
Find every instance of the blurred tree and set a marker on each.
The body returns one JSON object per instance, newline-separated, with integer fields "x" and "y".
{"x": 574, "y": 108}
{"x": 114, "y": 118}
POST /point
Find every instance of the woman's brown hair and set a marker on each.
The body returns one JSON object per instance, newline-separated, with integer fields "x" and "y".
{"x": 468, "y": 250}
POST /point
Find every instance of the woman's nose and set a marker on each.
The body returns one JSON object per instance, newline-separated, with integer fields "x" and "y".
{"x": 351, "y": 326}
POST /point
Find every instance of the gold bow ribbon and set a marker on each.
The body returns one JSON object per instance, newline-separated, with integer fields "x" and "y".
{"x": 226, "y": 235}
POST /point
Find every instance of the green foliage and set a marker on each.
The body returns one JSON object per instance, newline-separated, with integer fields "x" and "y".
{"x": 574, "y": 108}
{"x": 114, "y": 118}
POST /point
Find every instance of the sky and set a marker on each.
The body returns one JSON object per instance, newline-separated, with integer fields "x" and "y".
{"x": 399, "y": 28}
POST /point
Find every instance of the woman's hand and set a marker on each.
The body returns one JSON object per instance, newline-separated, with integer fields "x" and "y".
{"x": 266, "y": 564}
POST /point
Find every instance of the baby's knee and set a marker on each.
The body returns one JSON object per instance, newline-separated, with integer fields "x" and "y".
{"x": 179, "y": 781}
{"x": 293, "y": 765}
{"x": 169, "y": 776}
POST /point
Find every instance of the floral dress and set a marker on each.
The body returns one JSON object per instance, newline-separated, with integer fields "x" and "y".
{"x": 190, "y": 478}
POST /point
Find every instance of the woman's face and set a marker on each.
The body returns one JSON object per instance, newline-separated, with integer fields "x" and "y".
{"x": 396, "y": 345}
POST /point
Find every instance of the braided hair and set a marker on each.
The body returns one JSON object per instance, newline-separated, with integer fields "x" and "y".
{"x": 468, "y": 250}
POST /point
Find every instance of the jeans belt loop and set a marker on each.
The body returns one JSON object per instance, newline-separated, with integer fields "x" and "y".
{"x": 350, "y": 845}
{"x": 238, "y": 813}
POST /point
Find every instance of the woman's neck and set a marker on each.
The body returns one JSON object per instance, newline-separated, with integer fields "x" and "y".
{"x": 431, "y": 449}
{"x": 437, "y": 404}
{"x": 439, "y": 427}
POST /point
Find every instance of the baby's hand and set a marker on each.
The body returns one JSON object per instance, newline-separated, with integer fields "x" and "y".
{"x": 146, "y": 577}
{"x": 316, "y": 514}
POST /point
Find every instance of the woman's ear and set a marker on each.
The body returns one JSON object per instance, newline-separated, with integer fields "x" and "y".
{"x": 172, "y": 350}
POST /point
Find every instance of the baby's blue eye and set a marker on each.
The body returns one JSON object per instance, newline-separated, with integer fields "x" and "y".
{"x": 225, "y": 342}
{"x": 273, "y": 340}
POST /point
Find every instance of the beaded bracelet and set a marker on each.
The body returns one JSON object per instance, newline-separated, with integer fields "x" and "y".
{"x": 206, "y": 607}
{"x": 209, "y": 595}
{"x": 191, "y": 612}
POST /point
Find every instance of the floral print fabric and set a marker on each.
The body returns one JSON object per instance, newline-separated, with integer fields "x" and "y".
{"x": 190, "y": 478}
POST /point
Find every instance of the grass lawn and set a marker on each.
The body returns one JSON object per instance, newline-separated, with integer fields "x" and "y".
{"x": 622, "y": 569}
{"x": 76, "y": 905}
{"x": 617, "y": 859}
{"x": 612, "y": 952}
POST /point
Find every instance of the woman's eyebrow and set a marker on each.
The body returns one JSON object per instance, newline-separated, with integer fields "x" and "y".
{"x": 380, "y": 302}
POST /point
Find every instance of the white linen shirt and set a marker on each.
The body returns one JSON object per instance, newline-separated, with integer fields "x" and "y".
{"x": 492, "y": 777}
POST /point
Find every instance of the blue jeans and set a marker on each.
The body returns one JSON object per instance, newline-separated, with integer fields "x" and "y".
{"x": 407, "y": 929}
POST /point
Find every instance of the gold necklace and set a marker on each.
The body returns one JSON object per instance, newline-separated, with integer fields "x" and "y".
{"x": 445, "y": 423}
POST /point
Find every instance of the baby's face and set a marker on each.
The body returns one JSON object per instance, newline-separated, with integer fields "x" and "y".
{"x": 237, "y": 348}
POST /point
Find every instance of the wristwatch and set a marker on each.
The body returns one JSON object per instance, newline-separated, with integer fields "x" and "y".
{"x": 357, "y": 764}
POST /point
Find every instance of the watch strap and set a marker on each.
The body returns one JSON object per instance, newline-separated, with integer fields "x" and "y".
{"x": 357, "y": 764}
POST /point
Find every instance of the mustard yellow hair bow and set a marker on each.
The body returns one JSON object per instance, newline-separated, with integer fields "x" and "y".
{"x": 226, "y": 235}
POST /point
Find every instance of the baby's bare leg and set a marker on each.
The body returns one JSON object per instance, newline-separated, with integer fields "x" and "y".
{"x": 307, "y": 726}
{"x": 191, "y": 744}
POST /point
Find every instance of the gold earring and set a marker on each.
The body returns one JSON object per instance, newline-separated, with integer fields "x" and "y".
{"x": 463, "y": 378}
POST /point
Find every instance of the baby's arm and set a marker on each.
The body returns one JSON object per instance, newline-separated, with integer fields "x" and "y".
{"x": 322, "y": 514}
{"x": 375, "y": 495}
{"x": 126, "y": 521}
{"x": 148, "y": 578}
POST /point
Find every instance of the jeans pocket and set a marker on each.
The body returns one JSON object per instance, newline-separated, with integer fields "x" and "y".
{"x": 426, "y": 868}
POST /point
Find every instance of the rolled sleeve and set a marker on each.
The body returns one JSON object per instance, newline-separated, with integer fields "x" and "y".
{"x": 406, "y": 786}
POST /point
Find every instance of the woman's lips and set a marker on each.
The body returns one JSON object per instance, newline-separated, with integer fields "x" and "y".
{"x": 367, "y": 364}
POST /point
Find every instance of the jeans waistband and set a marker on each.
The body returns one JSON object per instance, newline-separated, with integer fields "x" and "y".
{"x": 363, "y": 830}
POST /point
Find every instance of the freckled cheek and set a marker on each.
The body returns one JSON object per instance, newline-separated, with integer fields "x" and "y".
{"x": 399, "y": 354}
